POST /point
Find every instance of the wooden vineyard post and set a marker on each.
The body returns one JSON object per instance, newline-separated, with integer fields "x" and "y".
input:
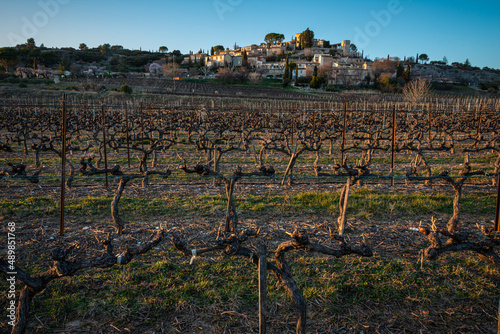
{"x": 478, "y": 132}
{"x": 343, "y": 133}
{"x": 127, "y": 134}
{"x": 262, "y": 289}
{"x": 104, "y": 143}
{"x": 497, "y": 214}
{"x": 63, "y": 165}
{"x": 142, "y": 126}
{"x": 430, "y": 126}
{"x": 314, "y": 123}
{"x": 393, "y": 146}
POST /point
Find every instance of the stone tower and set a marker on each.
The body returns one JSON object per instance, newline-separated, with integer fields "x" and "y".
{"x": 346, "y": 47}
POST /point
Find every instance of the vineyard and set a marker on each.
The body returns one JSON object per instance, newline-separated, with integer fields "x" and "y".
{"x": 221, "y": 212}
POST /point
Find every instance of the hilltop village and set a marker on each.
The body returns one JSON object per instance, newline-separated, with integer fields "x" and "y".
{"x": 303, "y": 61}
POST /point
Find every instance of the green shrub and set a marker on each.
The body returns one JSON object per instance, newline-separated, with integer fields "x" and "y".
{"x": 488, "y": 85}
{"x": 334, "y": 88}
{"x": 126, "y": 89}
{"x": 23, "y": 85}
{"x": 315, "y": 82}
{"x": 304, "y": 80}
{"x": 13, "y": 80}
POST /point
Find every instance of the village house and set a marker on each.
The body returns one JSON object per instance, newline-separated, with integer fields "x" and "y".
{"x": 250, "y": 49}
{"x": 219, "y": 60}
{"x": 256, "y": 60}
{"x": 276, "y": 49}
{"x": 195, "y": 58}
{"x": 346, "y": 67}
{"x": 304, "y": 69}
{"x": 349, "y": 74}
{"x": 272, "y": 70}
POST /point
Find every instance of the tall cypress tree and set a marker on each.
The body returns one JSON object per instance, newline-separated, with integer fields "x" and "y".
{"x": 286, "y": 74}
{"x": 244, "y": 57}
{"x": 399, "y": 71}
{"x": 407, "y": 74}
{"x": 315, "y": 82}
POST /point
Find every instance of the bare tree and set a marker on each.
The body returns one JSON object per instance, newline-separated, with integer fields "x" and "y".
{"x": 415, "y": 91}
{"x": 225, "y": 74}
{"x": 155, "y": 69}
{"x": 228, "y": 75}
{"x": 325, "y": 71}
{"x": 171, "y": 70}
{"x": 193, "y": 72}
{"x": 255, "y": 78}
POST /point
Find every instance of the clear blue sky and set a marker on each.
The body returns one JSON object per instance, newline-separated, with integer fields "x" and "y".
{"x": 456, "y": 29}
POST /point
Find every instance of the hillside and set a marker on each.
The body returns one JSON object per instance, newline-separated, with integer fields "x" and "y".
{"x": 445, "y": 73}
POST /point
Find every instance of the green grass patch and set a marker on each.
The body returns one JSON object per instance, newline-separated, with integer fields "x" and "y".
{"x": 364, "y": 203}
{"x": 332, "y": 288}
{"x": 28, "y": 206}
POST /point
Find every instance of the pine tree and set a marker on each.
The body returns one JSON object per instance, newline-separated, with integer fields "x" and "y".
{"x": 212, "y": 51}
{"x": 307, "y": 38}
{"x": 296, "y": 75}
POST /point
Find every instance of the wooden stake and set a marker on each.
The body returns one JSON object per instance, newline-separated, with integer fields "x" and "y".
{"x": 343, "y": 133}
{"x": 497, "y": 215}
{"x": 478, "y": 132}
{"x": 142, "y": 126}
{"x": 430, "y": 126}
{"x": 262, "y": 289}
{"x": 314, "y": 122}
{"x": 127, "y": 133}
{"x": 104, "y": 143}
{"x": 393, "y": 149}
{"x": 63, "y": 165}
